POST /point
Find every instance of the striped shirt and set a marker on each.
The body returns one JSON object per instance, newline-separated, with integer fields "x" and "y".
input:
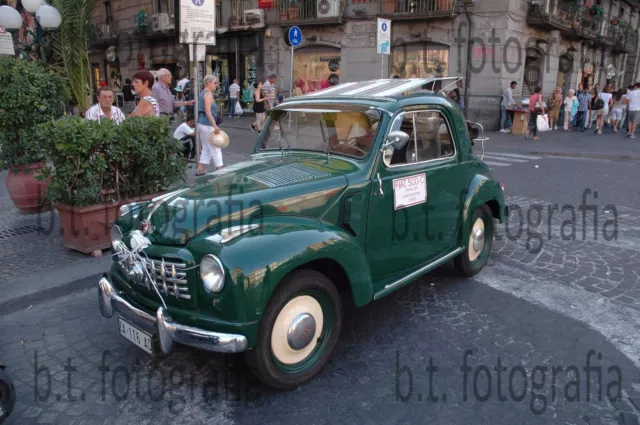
{"x": 270, "y": 90}
{"x": 154, "y": 105}
{"x": 95, "y": 113}
{"x": 234, "y": 89}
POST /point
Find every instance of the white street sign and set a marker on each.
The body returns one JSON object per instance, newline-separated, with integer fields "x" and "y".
{"x": 6, "y": 43}
{"x": 384, "y": 36}
{"x": 198, "y": 22}
{"x": 201, "y": 52}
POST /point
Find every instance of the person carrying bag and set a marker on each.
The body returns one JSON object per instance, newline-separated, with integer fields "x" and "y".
{"x": 535, "y": 109}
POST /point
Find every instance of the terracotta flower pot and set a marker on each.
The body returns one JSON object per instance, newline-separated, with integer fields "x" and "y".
{"x": 27, "y": 192}
{"x": 87, "y": 229}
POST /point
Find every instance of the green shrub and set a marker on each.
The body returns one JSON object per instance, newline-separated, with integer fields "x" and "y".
{"x": 31, "y": 93}
{"x": 94, "y": 162}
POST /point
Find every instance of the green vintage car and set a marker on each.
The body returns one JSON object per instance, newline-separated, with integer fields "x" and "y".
{"x": 351, "y": 193}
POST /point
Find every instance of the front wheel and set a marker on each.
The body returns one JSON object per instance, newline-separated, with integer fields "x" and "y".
{"x": 477, "y": 247}
{"x": 298, "y": 332}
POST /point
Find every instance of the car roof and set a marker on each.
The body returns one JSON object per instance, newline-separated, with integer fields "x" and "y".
{"x": 387, "y": 94}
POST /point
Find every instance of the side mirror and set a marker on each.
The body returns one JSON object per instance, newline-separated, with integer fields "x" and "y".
{"x": 397, "y": 139}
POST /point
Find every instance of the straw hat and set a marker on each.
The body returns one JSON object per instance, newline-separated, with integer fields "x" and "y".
{"x": 218, "y": 140}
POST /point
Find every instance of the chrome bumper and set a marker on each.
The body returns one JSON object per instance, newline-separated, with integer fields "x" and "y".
{"x": 168, "y": 332}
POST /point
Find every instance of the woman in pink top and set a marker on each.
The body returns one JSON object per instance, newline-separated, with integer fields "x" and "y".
{"x": 535, "y": 109}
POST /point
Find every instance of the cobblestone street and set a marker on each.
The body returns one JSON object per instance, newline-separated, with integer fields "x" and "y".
{"x": 548, "y": 329}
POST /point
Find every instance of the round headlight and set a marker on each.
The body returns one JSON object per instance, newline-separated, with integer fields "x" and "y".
{"x": 212, "y": 273}
{"x": 116, "y": 237}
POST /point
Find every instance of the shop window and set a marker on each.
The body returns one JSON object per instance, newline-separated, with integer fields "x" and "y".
{"x": 316, "y": 68}
{"x": 429, "y": 139}
{"x": 419, "y": 61}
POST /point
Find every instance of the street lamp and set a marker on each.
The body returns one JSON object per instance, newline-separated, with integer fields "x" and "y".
{"x": 47, "y": 18}
{"x": 10, "y": 18}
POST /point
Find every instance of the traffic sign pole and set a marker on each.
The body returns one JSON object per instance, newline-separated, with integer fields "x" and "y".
{"x": 295, "y": 38}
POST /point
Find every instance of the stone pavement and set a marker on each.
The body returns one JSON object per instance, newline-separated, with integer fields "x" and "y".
{"x": 608, "y": 145}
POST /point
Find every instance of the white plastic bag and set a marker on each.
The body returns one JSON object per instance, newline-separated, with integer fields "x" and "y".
{"x": 239, "y": 110}
{"x": 543, "y": 122}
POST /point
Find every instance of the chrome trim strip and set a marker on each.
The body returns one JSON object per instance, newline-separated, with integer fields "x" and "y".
{"x": 392, "y": 286}
{"x": 168, "y": 331}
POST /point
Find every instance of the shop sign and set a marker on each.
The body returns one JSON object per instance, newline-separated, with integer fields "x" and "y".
{"x": 265, "y": 4}
{"x": 6, "y": 43}
{"x": 333, "y": 79}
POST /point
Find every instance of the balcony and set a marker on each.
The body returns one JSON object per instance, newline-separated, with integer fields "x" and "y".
{"x": 305, "y": 12}
{"x": 103, "y": 35}
{"x": 574, "y": 21}
{"x": 619, "y": 39}
{"x": 238, "y": 15}
{"x": 406, "y": 10}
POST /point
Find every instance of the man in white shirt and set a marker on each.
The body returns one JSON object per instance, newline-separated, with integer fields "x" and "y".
{"x": 185, "y": 133}
{"x": 507, "y": 101}
{"x": 104, "y": 109}
{"x": 633, "y": 100}
{"x": 234, "y": 90}
{"x": 269, "y": 87}
{"x": 182, "y": 82}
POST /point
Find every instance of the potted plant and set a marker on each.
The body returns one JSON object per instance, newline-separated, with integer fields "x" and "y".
{"x": 389, "y": 6}
{"x": 142, "y": 22}
{"x": 293, "y": 12}
{"x": 96, "y": 167}
{"x": 32, "y": 93}
{"x": 282, "y": 7}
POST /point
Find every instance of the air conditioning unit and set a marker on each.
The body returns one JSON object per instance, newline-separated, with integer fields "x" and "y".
{"x": 160, "y": 21}
{"x": 602, "y": 30}
{"x": 254, "y": 16}
{"x": 328, "y": 8}
{"x": 104, "y": 31}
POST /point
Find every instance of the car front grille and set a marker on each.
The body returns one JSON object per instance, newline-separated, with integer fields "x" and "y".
{"x": 170, "y": 278}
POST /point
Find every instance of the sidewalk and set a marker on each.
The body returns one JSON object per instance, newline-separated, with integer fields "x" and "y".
{"x": 587, "y": 144}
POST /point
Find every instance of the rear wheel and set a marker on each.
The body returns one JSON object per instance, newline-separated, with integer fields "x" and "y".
{"x": 478, "y": 245}
{"x": 7, "y": 395}
{"x": 298, "y": 332}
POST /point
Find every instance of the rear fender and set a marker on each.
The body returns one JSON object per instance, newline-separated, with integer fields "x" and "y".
{"x": 482, "y": 190}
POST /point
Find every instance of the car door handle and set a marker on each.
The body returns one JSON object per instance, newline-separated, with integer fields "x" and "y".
{"x": 380, "y": 191}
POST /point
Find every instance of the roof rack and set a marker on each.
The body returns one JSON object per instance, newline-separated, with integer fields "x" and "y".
{"x": 383, "y": 89}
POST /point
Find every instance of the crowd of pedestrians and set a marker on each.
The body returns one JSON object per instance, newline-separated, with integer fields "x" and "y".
{"x": 156, "y": 97}
{"x": 581, "y": 110}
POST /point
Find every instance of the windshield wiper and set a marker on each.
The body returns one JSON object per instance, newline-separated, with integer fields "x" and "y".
{"x": 325, "y": 139}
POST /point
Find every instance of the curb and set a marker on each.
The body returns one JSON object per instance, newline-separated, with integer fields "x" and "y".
{"x": 587, "y": 155}
{"x": 23, "y": 302}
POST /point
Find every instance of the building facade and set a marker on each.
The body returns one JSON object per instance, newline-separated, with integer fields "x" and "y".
{"x": 489, "y": 43}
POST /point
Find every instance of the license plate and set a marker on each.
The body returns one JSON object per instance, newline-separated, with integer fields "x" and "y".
{"x": 140, "y": 338}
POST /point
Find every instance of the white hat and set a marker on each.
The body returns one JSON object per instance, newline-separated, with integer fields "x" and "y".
{"x": 218, "y": 140}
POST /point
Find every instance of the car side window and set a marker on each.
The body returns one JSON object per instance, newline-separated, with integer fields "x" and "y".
{"x": 429, "y": 139}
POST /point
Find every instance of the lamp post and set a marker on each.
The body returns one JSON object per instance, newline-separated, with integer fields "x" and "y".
{"x": 47, "y": 18}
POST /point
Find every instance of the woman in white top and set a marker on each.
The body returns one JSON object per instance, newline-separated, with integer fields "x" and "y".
{"x": 568, "y": 110}
{"x": 607, "y": 99}
{"x": 142, "y": 83}
{"x": 616, "y": 110}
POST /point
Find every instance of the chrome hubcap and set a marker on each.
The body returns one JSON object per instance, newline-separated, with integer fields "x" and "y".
{"x": 301, "y": 331}
{"x": 476, "y": 240}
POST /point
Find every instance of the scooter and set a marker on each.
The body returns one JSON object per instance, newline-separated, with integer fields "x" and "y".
{"x": 7, "y": 394}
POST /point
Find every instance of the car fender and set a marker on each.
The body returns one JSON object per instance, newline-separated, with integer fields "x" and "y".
{"x": 256, "y": 262}
{"x": 481, "y": 190}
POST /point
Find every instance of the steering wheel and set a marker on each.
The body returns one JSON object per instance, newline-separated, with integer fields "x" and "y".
{"x": 351, "y": 143}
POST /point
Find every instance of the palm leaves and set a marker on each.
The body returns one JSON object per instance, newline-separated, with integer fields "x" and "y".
{"x": 72, "y": 45}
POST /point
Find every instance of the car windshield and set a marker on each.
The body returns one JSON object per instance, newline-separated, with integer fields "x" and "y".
{"x": 349, "y": 131}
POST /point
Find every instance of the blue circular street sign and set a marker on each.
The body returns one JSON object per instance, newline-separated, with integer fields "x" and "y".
{"x": 384, "y": 27}
{"x": 198, "y": 2}
{"x": 295, "y": 36}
